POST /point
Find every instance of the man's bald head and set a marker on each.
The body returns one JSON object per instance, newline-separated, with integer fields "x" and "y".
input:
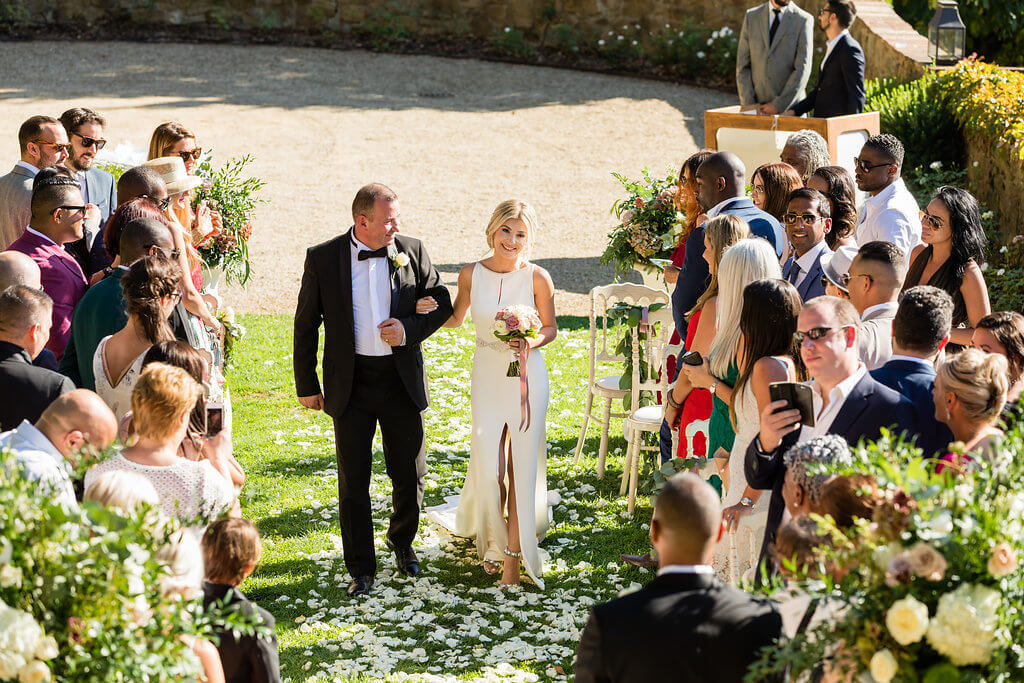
{"x": 721, "y": 176}
{"x": 77, "y": 419}
{"x": 17, "y": 268}
{"x": 139, "y": 181}
{"x": 140, "y": 236}
{"x": 687, "y": 520}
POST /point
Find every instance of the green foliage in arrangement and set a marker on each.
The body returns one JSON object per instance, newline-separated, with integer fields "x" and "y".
{"x": 629, "y": 318}
{"x": 649, "y": 226}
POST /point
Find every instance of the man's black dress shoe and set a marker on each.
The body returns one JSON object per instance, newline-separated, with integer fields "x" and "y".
{"x": 360, "y": 585}
{"x": 642, "y": 561}
{"x": 406, "y": 560}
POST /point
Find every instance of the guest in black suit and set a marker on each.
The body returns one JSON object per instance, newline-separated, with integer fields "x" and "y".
{"x": 920, "y": 331}
{"x": 840, "y": 88}
{"x": 24, "y": 329}
{"x": 847, "y": 401}
{"x": 362, "y": 287}
{"x": 18, "y": 269}
{"x": 685, "y": 625}
{"x": 231, "y": 549}
{"x": 808, "y": 221}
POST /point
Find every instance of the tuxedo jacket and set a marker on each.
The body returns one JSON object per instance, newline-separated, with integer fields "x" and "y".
{"x": 15, "y": 204}
{"x": 869, "y": 407}
{"x": 915, "y": 378}
{"x": 325, "y": 297}
{"x": 811, "y": 285}
{"x": 62, "y": 279}
{"x": 688, "y": 628}
{"x": 840, "y": 88}
{"x": 774, "y": 72}
{"x": 693, "y": 276}
{"x": 245, "y": 659}
{"x": 27, "y": 390}
{"x": 91, "y": 251}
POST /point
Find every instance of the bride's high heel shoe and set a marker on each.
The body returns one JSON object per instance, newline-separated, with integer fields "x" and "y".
{"x": 492, "y": 567}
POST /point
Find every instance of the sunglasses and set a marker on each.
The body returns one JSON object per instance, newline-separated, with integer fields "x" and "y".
{"x": 864, "y": 166}
{"x": 825, "y": 282}
{"x": 172, "y": 253}
{"x": 193, "y": 155}
{"x": 805, "y": 218}
{"x": 71, "y": 208}
{"x": 100, "y": 143}
{"x": 931, "y": 220}
{"x": 161, "y": 204}
{"x": 66, "y": 147}
{"x": 816, "y": 333}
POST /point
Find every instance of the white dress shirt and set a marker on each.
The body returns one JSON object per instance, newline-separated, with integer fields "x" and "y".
{"x": 717, "y": 208}
{"x": 686, "y": 569}
{"x": 371, "y": 300}
{"x": 831, "y": 44}
{"x": 806, "y": 262}
{"x": 892, "y": 215}
{"x": 39, "y": 234}
{"x": 824, "y": 415}
{"x": 28, "y": 167}
{"x": 866, "y": 315}
{"x": 80, "y": 177}
{"x": 40, "y": 460}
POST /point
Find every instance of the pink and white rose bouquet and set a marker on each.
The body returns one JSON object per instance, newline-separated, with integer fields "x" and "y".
{"x": 516, "y": 322}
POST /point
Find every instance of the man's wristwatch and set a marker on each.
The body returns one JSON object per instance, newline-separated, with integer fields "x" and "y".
{"x": 746, "y": 502}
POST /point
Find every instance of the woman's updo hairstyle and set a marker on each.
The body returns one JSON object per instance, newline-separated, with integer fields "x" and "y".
{"x": 512, "y": 209}
{"x": 147, "y": 281}
{"x": 979, "y": 380}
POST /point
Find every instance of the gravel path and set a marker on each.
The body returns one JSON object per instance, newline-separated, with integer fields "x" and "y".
{"x": 452, "y": 137}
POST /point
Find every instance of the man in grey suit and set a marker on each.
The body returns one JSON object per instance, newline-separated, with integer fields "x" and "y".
{"x": 773, "y": 63}
{"x": 876, "y": 277}
{"x": 85, "y": 134}
{"x": 43, "y": 143}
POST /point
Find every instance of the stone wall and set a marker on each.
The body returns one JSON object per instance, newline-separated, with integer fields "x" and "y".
{"x": 997, "y": 181}
{"x": 892, "y": 47}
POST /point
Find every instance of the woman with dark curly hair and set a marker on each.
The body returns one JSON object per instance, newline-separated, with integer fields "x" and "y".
{"x": 836, "y": 183}
{"x": 950, "y": 258}
{"x": 152, "y": 287}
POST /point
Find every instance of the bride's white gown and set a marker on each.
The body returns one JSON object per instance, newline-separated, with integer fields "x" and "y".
{"x": 495, "y": 403}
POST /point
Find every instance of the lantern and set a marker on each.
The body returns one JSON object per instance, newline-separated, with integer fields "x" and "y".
{"x": 946, "y": 34}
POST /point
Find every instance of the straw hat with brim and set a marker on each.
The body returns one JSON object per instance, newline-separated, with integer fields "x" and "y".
{"x": 172, "y": 170}
{"x": 837, "y": 264}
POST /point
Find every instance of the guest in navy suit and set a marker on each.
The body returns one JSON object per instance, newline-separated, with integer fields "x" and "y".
{"x": 808, "y": 220}
{"x": 85, "y": 135}
{"x": 847, "y": 402}
{"x": 840, "y": 88}
{"x": 920, "y": 331}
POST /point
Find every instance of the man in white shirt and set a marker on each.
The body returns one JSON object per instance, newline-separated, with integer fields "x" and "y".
{"x": 876, "y": 277}
{"x": 890, "y": 213}
{"x": 46, "y": 451}
{"x": 846, "y": 401}
{"x": 43, "y": 143}
{"x": 713, "y": 631}
{"x": 807, "y": 220}
{"x": 773, "y": 61}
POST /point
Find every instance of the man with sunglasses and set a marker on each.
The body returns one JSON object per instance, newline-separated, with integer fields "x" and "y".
{"x": 890, "y": 213}
{"x": 57, "y": 215}
{"x": 840, "y": 88}
{"x": 846, "y": 401}
{"x": 43, "y": 143}
{"x": 876, "y": 278}
{"x": 85, "y": 135}
{"x": 808, "y": 220}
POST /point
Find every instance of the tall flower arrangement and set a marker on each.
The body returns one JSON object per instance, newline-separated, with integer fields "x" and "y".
{"x": 649, "y": 224}
{"x": 236, "y": 197}
{"x": 934, "y": 590}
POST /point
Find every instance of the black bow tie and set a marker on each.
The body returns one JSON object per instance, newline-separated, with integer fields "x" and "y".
{"x": 376, "y": 253}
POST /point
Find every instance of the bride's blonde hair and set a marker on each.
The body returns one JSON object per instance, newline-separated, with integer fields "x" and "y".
{"x": 512, "y": 209}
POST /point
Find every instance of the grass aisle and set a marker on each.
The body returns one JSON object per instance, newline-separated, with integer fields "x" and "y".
{"x": 451, "y": 623}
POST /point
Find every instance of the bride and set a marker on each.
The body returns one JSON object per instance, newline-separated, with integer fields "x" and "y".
{"x": 503, "y": 504}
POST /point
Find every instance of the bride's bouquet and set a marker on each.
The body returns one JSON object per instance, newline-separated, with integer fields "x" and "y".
{"x": 516, "y": 322}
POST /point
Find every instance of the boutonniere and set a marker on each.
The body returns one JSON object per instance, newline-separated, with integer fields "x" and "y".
{"x": 399, "y": 259}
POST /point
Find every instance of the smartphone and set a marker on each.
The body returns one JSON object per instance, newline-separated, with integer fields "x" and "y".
{"x": 693, "y": 358}
{"x": 798, "y": 396}
{"x": 214, "y": 421}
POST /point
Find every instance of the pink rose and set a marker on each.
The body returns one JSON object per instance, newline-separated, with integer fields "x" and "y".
{"x": 1003, "y": 561}
{"x": 513, "y": 323}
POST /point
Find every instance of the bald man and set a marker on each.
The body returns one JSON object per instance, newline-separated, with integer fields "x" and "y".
{"x": 47, "y": 450}
{"x": 19, "y": 269}
{"x": 685, "y": 625}
{"x": 141, "y": 181}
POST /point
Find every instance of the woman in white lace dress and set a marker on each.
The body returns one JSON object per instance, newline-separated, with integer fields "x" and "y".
{"x": 152, "y": 288}
{"x": 192, "y": 491}
{"x": 503, "y": 504}
{"x": 767, "y": 354}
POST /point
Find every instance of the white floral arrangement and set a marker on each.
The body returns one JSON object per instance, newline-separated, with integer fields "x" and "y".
{"x": 933, "y": 591}
{"x": 24, "y": 648}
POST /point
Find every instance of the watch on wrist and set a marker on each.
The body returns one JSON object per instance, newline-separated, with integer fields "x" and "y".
{"x": 713, "y": 388}
{"x": 746, "y": 502}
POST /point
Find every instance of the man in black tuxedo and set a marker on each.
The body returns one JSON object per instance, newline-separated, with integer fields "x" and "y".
{"x": 840, "y": 88}
{"x": 362, "y": 287}
{"x": 685, "y": 625}
{"x": 847, "y": 402}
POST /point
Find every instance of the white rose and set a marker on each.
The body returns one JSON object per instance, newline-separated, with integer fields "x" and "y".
{"x": 10, "y": 576}
{"x": 401, "y": 259}
{"x": 883, "y": 666}
{"x": 500, "y": 327}
{"x": 1003, "y": 561}
{"x": 965, "y": 623}
{"x": 907, "y": 620}
{"x": 10, "y": 665}
{"x": 47, "y": 648}
{"x": 34, "y": 672}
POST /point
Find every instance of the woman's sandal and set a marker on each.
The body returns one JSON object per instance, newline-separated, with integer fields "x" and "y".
{"x": 515, "y": 556}
{"x": 493, "y": 567}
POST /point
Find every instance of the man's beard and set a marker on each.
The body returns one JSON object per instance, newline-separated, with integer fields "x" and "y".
{"x": 76, "y": 164}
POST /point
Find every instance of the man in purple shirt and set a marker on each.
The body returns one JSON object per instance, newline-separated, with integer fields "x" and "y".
{"x": 57, "y": 215}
